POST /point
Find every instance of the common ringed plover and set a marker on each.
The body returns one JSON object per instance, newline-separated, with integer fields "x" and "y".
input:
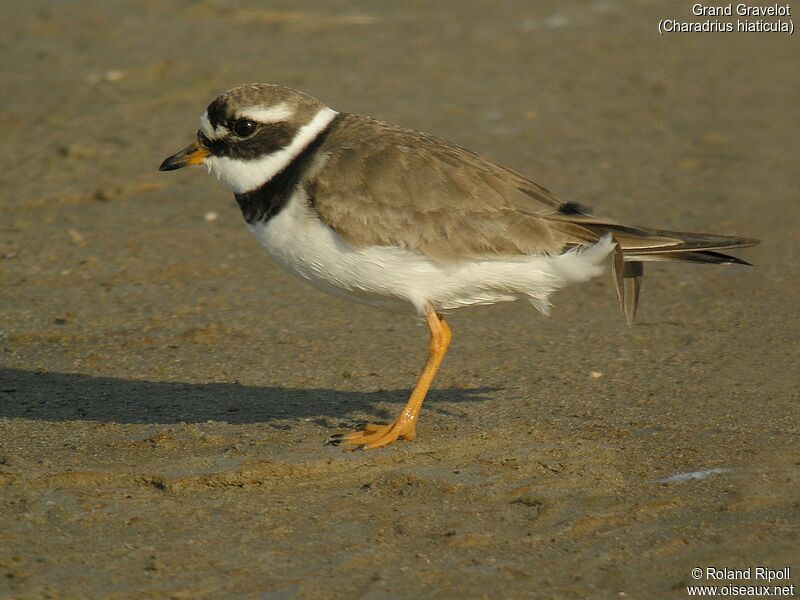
{"x": 403, "y": 220}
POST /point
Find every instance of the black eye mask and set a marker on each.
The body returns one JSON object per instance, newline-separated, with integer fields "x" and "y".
{"x": 267, "y": 139}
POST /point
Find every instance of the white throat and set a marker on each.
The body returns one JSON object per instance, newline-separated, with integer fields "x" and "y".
{"x": 246, "y": 175}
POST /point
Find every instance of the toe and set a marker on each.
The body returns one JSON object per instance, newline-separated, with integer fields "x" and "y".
{"x": 378, "y": 436}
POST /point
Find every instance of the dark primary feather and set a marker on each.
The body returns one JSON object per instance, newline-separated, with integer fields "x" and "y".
{"x": 383, "y": 185}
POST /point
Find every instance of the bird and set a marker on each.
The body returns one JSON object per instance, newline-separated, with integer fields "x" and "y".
{"x": 406, "y": 221}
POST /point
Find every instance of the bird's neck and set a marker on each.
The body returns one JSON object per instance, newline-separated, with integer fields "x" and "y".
{"x": 268, "y": 199}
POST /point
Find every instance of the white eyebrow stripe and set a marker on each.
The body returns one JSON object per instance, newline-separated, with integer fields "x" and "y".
{"x": 273, "y": 114}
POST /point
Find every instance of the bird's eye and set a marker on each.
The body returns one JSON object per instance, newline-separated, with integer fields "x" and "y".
{"x": 243, "y": 127}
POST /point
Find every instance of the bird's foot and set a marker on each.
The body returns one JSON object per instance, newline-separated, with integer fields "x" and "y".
{"x": 378, "y": 436}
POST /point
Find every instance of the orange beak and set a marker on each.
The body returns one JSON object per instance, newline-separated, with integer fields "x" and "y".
{"x": 194, "y": 154}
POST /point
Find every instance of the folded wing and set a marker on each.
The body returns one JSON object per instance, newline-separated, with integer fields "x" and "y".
{"x": 383, "y": 185}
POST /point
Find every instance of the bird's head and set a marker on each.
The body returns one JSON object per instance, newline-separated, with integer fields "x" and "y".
{"x": 250, "y": 133}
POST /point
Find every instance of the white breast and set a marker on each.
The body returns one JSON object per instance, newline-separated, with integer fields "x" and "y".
{"x": 396, "y": 278}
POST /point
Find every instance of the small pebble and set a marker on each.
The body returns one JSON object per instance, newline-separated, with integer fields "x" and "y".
{"x": 75, "y": 236}
{"x": 595, "y": 374}
{"x": 210, "y": 217}
{"x": 112, "y": 76}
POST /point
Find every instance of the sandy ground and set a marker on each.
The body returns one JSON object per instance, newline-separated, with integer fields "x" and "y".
{"x": 166, "y": 391}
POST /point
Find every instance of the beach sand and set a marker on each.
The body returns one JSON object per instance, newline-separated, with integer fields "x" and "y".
{"x": 166, "y": 391}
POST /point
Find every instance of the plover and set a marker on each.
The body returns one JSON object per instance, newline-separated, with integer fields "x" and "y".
{"x": 403, "y": 220}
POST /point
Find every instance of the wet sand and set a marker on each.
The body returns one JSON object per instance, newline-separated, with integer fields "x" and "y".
{"x": 166, "y": 391}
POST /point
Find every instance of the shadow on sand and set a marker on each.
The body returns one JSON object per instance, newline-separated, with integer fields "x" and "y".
{"x": 65, "y": 397}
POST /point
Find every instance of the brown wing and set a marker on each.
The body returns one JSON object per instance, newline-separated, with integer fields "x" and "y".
{"x": 383, "y": 185}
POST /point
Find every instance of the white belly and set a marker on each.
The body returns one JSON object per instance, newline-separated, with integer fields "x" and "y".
{"x": 396, "y": 278}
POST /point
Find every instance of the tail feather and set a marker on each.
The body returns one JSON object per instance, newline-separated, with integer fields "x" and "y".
{"x": 640, "y": 241}
{"x": 636, "y": 245}
{"x": 698, "y": 256}
{"x": 628, "y": 282}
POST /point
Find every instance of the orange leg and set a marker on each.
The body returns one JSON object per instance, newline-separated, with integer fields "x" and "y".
{"x": 376, "y": 436}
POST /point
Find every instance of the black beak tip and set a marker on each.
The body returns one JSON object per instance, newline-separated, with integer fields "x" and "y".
{"x": 170, "y": 164}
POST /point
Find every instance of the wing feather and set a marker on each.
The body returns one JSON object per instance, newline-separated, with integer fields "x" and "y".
{"x": 383, "y": 185}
